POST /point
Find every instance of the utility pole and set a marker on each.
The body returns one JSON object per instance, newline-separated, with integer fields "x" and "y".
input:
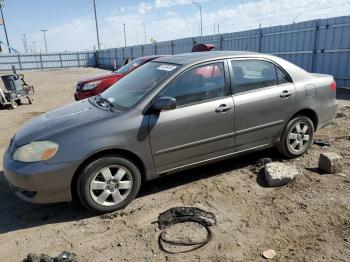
{"x": 124, "y": 35}
{"x": 200, "y": 14}
{"x": 218, "y": 28}
{"x": 144, "y": 30}
{"x": 25, "y": 43}
{"x": 98, "y": 37}
{"x": 3, "y": 22}
{"x": 44, "y": 31}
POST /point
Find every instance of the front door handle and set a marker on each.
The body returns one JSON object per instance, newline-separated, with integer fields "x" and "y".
{"x": 222, "y": 108}
{"x": 285, "y": 94}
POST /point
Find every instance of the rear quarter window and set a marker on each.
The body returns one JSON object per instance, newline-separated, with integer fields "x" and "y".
{"x": 282, "y": 78}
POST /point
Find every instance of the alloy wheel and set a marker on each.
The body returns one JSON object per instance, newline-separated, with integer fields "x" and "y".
{"x": 111, "y": 185}
{"x": 299, "y": 137}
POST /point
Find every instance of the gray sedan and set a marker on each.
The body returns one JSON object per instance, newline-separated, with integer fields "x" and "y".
{"x": 171, "y": 114}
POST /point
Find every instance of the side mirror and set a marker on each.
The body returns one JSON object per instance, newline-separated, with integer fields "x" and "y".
{"x": 164, "y": 103}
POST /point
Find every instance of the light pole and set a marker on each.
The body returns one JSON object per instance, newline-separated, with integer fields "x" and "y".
{"x": 44, "y": 31}
{"x": 124, "y": 35}
{"x": 200, "y": 14}
{"x": 25, "y": 43}
{"x": 144, "y": 30}
{"x": 97, "y": 34}
{"x": 137, "y": 37}
{"x": 3, "y": 22}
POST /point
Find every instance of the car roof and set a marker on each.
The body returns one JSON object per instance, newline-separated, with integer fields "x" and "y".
{"x": 195, "y": 57}
{"x": 151, "y": 57}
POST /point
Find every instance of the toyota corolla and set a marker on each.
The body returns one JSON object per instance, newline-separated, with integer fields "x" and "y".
{"x": 171, "y": 114}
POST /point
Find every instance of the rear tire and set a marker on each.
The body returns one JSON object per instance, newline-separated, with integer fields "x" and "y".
{"x": 297, "y": 137}
{"x": 108, "y": 184}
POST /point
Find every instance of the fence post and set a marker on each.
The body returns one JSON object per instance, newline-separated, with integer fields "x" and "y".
{"x": 259, "y": 39}
{"x": 78, "y": 59}
{"x": 172, "y": 47}
{"x": 142, "y": 50}
{"x": 221, "y": 42}
{"x": 19, "y": 61}
{"x": 96, "y": 58}
{"x": 155, "y": 48}
{"x": 41, "y": 62}
{"x": 314, "y": 46}
{"x": 60, "y": 56}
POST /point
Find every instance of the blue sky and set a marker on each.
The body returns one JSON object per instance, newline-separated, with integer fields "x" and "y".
{"x": 71, "y": 23}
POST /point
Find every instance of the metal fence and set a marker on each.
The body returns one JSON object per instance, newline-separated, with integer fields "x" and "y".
{"x": 47, "y": 60}
{"x": 321, "y": 46}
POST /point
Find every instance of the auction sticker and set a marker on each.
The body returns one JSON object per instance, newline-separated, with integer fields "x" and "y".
{"x": 167, "y": 67}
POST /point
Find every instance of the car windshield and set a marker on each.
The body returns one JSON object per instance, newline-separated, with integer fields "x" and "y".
{"x": 129, "y": 66}
{"x": 133, "y": 87}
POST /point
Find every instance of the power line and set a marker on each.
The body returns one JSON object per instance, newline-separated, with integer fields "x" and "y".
{"x": 84, "y": 15}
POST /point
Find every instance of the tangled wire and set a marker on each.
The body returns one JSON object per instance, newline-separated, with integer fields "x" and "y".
{"x": 178, "y": 215}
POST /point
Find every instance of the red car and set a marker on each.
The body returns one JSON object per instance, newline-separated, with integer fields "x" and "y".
{"x": 96, "y": 85}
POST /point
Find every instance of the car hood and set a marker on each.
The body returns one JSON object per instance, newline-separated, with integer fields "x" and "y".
{"x": 58, "y": 120}
{"x": 102, "y": 77}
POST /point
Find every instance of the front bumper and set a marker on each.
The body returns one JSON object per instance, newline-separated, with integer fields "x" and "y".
{"x": 40, "y": 182}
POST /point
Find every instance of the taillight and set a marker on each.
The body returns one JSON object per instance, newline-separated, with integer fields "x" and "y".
{"x": 333, "y": 86}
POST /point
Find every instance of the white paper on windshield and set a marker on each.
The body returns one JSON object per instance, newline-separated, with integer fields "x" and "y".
{"x": 167, "y": 67}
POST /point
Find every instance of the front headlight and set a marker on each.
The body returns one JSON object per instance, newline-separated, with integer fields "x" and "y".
{"x": 36, "y": 151}
{"x": 91, "y": 85}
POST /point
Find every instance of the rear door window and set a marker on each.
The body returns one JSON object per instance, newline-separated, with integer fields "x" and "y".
{"x": 253, "y": 74}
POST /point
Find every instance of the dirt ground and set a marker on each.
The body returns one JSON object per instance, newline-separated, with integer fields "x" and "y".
{"x": 307, "y": 220}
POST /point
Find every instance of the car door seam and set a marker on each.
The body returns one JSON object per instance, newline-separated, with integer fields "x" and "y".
{"x": 204, "y": 141}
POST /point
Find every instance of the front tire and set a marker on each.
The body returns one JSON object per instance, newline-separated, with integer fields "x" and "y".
{"x": 297, "y": 137}
{"x": 108, "y": 184}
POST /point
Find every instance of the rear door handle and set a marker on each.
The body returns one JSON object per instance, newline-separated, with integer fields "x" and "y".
{"x": 285, "y": 94}
{"x": 222, "y": 108}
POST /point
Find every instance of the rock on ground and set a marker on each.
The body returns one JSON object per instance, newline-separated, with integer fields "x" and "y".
{"x": 279, "y": 174}
{"x": 330, "y": 163}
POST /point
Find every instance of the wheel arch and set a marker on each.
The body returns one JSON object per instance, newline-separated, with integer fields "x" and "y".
{"x": 309, "y": 113}
{"x": 108, "y": 152}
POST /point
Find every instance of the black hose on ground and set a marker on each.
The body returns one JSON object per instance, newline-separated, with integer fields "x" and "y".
{"x": 179, "y": 215}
